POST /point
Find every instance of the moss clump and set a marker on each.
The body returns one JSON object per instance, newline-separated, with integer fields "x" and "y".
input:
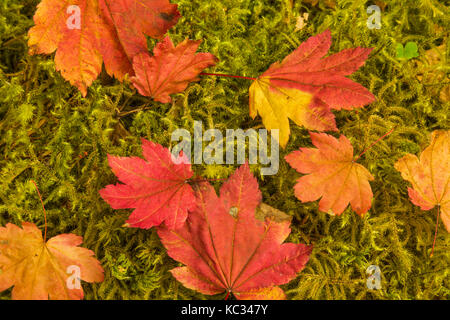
{"x": 49, "y": 133}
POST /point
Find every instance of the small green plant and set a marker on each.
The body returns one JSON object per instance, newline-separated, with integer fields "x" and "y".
{"x": 408, "y": 52}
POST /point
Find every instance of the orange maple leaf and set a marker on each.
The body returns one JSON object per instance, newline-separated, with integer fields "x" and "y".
{"x": 430, "y": 175}
{"x": 333, "y": 174}
{"x": 109, "y": 31}
{"x": 38, "y": 269}
{"x": 170, "y": 69}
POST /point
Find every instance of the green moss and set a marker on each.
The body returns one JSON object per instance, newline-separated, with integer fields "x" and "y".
{"x": 47, "y": 128}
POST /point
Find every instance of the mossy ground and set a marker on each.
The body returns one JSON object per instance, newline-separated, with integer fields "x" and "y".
{"x": 49, "y": 133}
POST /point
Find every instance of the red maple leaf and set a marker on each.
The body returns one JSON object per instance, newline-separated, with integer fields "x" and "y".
{"x": 109, "y": 30}
{"x": 170, "y": 69}
{"x": 305, "y": 87}
{"x": 306, "y": 69}
{"x": 224, "y": 247}
{"x": 156, "y": 187}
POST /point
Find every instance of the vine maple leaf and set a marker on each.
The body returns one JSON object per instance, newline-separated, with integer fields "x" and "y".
{"x": 107, "y": 30}
{"x": 305, "y": 87}
{"x": 156, "y": 187}
{"x": 430, "y": 175}
{"x": 333, "y": 174}
{"x": 170, "y": 69}
{"x": 38, "y": 269}
{"x": 225, "y": 248}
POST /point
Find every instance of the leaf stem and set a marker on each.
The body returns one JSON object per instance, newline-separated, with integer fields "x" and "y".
{"x": 45, "y": 213}
{"x": 435, "y": 232}
{"x": 226, "y": 75}
{"x": 374, "y": 143}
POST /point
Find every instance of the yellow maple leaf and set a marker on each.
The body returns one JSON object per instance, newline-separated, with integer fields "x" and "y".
{"x": 429, "y": 175}
{"x": 38, "y": 270}
{"x": 275, "y": 107}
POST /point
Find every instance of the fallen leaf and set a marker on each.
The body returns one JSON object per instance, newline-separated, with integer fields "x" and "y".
{"x": 305, "y": 87}
{"x": 170, "y": 69}
{"x": 264, "y": 211}
{"x": 156, "y": 187}
{"x": 109, "y": 31}
{"x": 301, "y": 21}
{"x": 229, "y": 250}
{"x": 381, "y": 4}
{"x": 332, "y": 175}
{"x": 430, "y": 72}
{"x": 444, "y": 95}
{"x": 430, "y": 175}
{"x": 38, "y": 270}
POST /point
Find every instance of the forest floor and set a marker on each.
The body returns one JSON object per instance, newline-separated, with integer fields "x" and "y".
{"x": 50, "y": 134}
